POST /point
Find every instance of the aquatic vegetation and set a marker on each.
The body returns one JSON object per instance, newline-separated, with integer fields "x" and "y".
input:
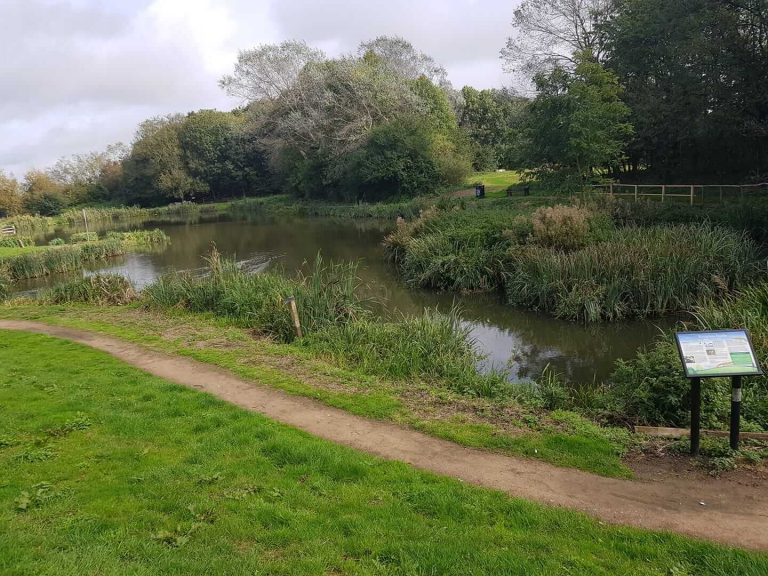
{"x": 57, "y": 258}
{"x": 99, "y": 289}
{"x": 637, "y": 272}
{"x": 433, "y": 346}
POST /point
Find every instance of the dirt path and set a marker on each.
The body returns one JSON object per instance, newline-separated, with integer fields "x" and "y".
{"x": 730, "y": 513}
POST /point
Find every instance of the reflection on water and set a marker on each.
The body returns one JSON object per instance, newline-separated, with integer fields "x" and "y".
{"x": 525, "y": 341}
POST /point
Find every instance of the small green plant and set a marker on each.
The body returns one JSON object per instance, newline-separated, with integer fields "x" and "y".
{"x": 32, "y": 455}
{"x": 79, "y": 422}
{"x": 79, "y": 237}
{"x": 41, "y": 493}
{"x": 57, "y": 242}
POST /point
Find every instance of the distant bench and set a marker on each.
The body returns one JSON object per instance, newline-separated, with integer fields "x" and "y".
{"x": 8, "y": 230}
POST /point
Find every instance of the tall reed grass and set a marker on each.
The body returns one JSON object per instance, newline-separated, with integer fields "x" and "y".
{"x": 638, "y": 272}
{"x": 326, "y": 295}
{"x": 72, "y": 257}
{"x": 99, "y": 289}
{"x": 335, "y": 321}
{"x": 57, "y": 259}
{"x": 434, "y": 347}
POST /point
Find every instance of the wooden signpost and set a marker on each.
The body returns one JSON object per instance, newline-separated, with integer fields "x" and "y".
{"x": 716, "y": 354}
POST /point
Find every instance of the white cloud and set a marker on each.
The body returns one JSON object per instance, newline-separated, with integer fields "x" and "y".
{"x": 79, "y": 74}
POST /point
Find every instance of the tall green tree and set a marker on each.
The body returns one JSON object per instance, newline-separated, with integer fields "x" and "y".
{"x": 578, "y": 122}
{"x": 696, "y": 78}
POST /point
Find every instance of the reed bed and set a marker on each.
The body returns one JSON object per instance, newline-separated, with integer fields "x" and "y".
{"x": 73, "y": 257}
{"x": 99, "y": 289}
{"x": 335, "y": 320}
{"x": 434, "y": 347}
{"x": 326, "y": 296}
{"x": 58, "y": 259}
{"x": 638, "y": 272}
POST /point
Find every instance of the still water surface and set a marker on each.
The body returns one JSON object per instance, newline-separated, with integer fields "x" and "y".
{"x": 524, "y": 341}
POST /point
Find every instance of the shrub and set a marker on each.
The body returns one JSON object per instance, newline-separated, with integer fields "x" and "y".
{"x": 101, "y": 289}
{"x": 564, "y": 227}
{"x": 56, "y": 242}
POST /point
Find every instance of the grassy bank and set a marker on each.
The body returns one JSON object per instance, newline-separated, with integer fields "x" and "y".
{"x": 104, "y": 473}
{"x": 569, "y": 261}
{"x": 410, "y": 394}
{"x": 36, "y": 261}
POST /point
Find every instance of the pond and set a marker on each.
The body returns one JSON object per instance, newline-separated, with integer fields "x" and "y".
{"x": 524, "y": 341}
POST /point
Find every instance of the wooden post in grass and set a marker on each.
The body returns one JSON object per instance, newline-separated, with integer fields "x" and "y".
{"x": 291, "y": 301}
{"x": 635, "y": 192}
{"x": 695, "y": 415}
{"x": 85, "y": 219}
{"x": 692, "y": 189}
{"x": 663, "y": 192}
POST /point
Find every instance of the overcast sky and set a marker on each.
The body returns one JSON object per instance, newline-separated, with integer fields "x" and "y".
{"x": 77, "y": 75}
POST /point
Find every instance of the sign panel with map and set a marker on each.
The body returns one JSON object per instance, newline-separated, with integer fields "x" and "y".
{"x": 717, "y": 353}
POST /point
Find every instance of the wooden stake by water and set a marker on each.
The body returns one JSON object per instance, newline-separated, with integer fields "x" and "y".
{"x": 291, "y": 301}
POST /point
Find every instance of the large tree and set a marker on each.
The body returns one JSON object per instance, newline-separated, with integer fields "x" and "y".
{"x": 696, "y": 78}
{"x": 547, "y": 33}
{"x": 10, "y": 195}
{"x": 578, "y": 122}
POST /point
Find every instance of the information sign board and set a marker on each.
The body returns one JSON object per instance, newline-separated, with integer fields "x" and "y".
{"x": 717, "y": 353}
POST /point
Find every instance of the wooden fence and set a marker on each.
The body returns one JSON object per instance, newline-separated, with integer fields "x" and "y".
{"x": 692, "y": 193}
{"x": 8, "y": 230}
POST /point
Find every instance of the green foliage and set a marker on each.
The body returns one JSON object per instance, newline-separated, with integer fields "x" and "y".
{"x": 635, "y": 272}
{"x": 99, "y": 289}
{"x": 79, "y": 237}
{"x": 57, "y": 259}
{"x": 577, "y": 122}
{"x": 434, "y": 347}
{"x": 695, "y": 74}
{"x": 57, "y": 242}
{"x": 493, "y": 120}
{"x": 453, "y": 248}
{"x": 326, "y": 296}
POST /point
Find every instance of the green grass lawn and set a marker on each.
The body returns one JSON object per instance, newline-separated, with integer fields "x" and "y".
{"x": 565, "y": 439}
{"x": 106, "y": 470}
{"x": 496, "y": 183}
{"x": 6, "y": 252}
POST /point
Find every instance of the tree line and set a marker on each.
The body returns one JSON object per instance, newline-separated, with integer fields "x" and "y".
{"x": 630, "y": 89}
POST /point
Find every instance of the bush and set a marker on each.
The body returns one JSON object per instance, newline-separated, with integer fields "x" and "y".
{"x": 563, "y": 227}
{"x": 56, "y": 242}
{"x": 100, "y": 289}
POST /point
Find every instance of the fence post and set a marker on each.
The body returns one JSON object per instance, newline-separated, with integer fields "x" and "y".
{"x": 663, "y": 191}
{"x": 635, "y": 192}
{"x": 741, "y": 191}
{"x": 611, "y": 188}
{"x": 691, "y": 195}
{"x": 721, "y": 194}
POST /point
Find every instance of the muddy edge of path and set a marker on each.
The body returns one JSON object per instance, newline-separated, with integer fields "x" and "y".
{"x": 728, "y": 513}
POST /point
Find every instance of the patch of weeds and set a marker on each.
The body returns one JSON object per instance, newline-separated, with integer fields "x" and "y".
{"x": 177, "y": 537}
{"x": 716, "y": 454}
{"x": 208, "y": 480}
{"x": 7, "y": 442}
{"x": 41, "y": 493}
{"x": 79, "y": 422}
{"x": 206, "y": 516}
{"x": 241, "y": 493}
{"x": 32, "y": 455}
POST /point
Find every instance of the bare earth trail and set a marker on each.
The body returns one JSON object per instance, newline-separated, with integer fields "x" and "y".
{"x": 731, "y": 513}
